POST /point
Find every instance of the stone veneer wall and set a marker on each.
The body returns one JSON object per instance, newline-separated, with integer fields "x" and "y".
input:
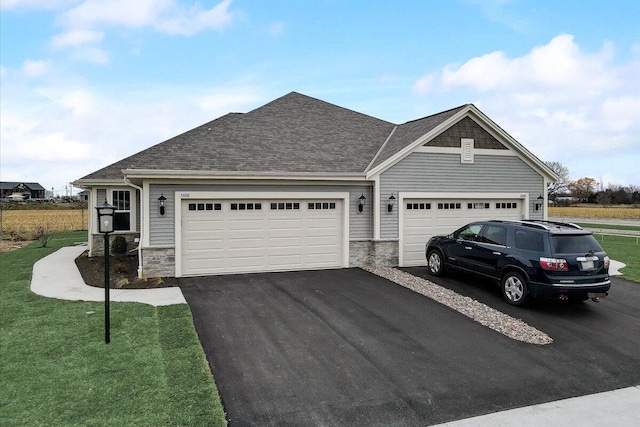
{"x": 159, "y": 262}
{"x": 97, "y": 248}
{"x": 381, "y": 252}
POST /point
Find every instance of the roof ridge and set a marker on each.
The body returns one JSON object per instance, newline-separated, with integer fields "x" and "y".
{"x": 460, "y": 107}
{"x": 381, "y": 148}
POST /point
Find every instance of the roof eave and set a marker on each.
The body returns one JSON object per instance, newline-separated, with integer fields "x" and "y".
{"x": 235, "y": 175}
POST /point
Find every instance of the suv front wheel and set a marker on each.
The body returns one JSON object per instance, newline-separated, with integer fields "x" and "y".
{"x": 514, "y": 288}
{"x": 436, "y": 263}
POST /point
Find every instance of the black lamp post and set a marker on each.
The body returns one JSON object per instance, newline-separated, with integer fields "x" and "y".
{"x": 161, "y": 201}
{"x": 392, "y": 201}
{"x": 540, "y": 202}
{"x": 105, "y": 226}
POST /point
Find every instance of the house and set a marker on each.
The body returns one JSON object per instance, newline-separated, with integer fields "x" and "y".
{"x": 300, "y": 183}
{"x": 21, "y": 190}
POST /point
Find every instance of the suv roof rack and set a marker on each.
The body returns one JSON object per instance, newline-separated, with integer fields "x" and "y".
{"x": 539, "y": 223}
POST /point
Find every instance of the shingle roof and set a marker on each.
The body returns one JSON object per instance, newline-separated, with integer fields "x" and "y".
{"x": 6, "y": 185}
{"x": 292, "y": 134}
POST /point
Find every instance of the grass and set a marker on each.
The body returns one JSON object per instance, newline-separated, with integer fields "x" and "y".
{"x": 56, "y": 369}
{"x": 608, "y": 226}
{"x": 623, "y": 249}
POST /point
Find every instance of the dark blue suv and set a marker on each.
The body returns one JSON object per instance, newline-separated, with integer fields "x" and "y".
{"x": 528, "y": 258}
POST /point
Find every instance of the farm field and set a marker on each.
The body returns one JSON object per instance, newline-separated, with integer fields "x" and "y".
{"x": 601, "y": 212}
{"x": 21, "y": 224}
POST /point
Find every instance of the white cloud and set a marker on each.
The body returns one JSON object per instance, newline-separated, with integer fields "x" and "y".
{"x": 75, "y": 38}
{"x": 35, "y": 68}
{"x": 561, "y": 102}
{"x": 163, "y": 15}
{"x": 92, "y": 55}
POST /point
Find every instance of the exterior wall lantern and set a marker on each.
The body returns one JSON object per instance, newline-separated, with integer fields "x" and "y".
{"x": 161, "y": 201}
{"x": 392, "y": 201}
{"x": 361, "y": 201}
{"x": 105, "y": 226}
{"x": 540, "y": 201}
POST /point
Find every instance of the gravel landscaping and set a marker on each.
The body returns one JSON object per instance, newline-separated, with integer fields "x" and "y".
{"x": 513, "y": 328}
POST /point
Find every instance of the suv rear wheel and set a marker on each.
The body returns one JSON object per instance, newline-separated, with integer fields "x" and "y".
{"x": 436, "y": 263}
{"x": 514, "y": 288}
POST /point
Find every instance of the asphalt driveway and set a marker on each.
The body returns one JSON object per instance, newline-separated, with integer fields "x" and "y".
{"x": 345, "y": 347}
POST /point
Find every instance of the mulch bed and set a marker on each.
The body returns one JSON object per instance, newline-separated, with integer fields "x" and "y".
{"x": 123, "y": 273}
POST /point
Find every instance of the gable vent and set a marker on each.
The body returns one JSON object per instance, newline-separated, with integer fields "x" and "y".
{"x": 467, "y": 150}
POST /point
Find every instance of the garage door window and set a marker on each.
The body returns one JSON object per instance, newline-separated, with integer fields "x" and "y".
{"x": 509, "y": 205}
{"x": 449, "y": 206}
{"x": 321, "y": 205}
{"x": 418, "y": 206}
{"x": 481, "y": 205}
{"x": 285, "y": 206}
{"x": 246, "y": 206}
{"x": 205, "y": 206}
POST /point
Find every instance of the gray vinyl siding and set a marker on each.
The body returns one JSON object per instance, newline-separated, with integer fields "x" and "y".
{"x": 162, "y": 228}
{"x": 430, "y": 172}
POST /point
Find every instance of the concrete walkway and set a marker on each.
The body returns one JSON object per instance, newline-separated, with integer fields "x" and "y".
{"x": 56, "y": 276}
{"x": 620, "y": 408}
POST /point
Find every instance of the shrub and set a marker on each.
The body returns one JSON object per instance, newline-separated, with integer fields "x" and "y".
{"x": 119, "y": 245}
{"x": 120, "y": 267}
{"x": 42, "y": 235}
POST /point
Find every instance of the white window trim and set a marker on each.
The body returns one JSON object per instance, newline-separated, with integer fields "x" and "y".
{"x": 133, "y": 226}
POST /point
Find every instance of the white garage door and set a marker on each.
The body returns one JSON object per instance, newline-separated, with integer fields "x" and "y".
{"x": 424, "y": 218}
{"x": 241, "y": 236}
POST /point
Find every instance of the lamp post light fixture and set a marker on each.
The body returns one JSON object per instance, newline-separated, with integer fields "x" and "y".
{"x": 161, "y": 201}
{"x": 392, "y": 201}
{"x": 361, "y": 201}
{"x": 105, "y": 226}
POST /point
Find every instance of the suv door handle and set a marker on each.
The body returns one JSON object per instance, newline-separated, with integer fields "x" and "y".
{"x": 468, "y": 247}
{"x": 497, "y": 253}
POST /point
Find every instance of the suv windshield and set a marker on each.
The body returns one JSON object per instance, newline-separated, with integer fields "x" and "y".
{"x": 575, "y": 244}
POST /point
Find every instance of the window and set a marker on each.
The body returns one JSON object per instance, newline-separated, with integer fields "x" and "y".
{"x": 121, "y": 199}
{"x": 321, "y": 205}
{"x": 495, "y": 235}
{"x": 470, "y": 232}
{"x": 529, "y": 240}
{"x": 449, "y": 206}
{"x": 246, "y": 206}
{"x": 418, "y": 206}
{"x": 285, "y": 206}
{"x": 481, "y": 205}
{"x": 503, "y": 205}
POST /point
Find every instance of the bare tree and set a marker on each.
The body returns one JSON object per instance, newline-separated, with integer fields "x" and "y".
{"x": 554, "y": 189}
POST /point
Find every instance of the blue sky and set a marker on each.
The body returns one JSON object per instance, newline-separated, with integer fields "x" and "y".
{"x": 85, "y": 83}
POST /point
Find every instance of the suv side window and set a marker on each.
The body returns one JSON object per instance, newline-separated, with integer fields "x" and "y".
{"x": 469, "y": 232}
{"x": 529, "y": 240}
{"x": 494, "y": 234}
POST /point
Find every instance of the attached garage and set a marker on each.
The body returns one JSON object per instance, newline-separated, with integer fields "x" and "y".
{"x": 422, "y": 217}
{"x": 277, "y": 233}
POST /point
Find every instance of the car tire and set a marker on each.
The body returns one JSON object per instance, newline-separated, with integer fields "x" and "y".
{"x": 435, "y": 263}
{"x": 515, "y": 289}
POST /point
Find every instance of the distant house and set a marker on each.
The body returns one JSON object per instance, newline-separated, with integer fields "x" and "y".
{"x": 21, "y": 190}
{"x": 303, "y": 184}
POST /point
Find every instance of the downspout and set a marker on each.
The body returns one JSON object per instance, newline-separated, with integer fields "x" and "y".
{"x": 131, "y": 184}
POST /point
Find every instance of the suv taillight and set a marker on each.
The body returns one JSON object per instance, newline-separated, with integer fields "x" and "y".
{"x": 555, "y": 264}
{"x": 607, "y": 261}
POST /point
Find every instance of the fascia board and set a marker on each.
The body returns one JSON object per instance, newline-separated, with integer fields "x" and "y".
{"x": 417, "y": 143}
{"x": 200, "y": 175}
{"x": 88, "y": 183}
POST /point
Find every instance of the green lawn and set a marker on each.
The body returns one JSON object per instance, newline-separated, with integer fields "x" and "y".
{"x": 608, "y": 226}
{"x": 56, "y": 370}
{"x": 623, "y": 249}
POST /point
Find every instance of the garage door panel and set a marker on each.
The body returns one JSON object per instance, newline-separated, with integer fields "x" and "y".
{"x": 445, "y": 216}
{"x": 269, "y": 239}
